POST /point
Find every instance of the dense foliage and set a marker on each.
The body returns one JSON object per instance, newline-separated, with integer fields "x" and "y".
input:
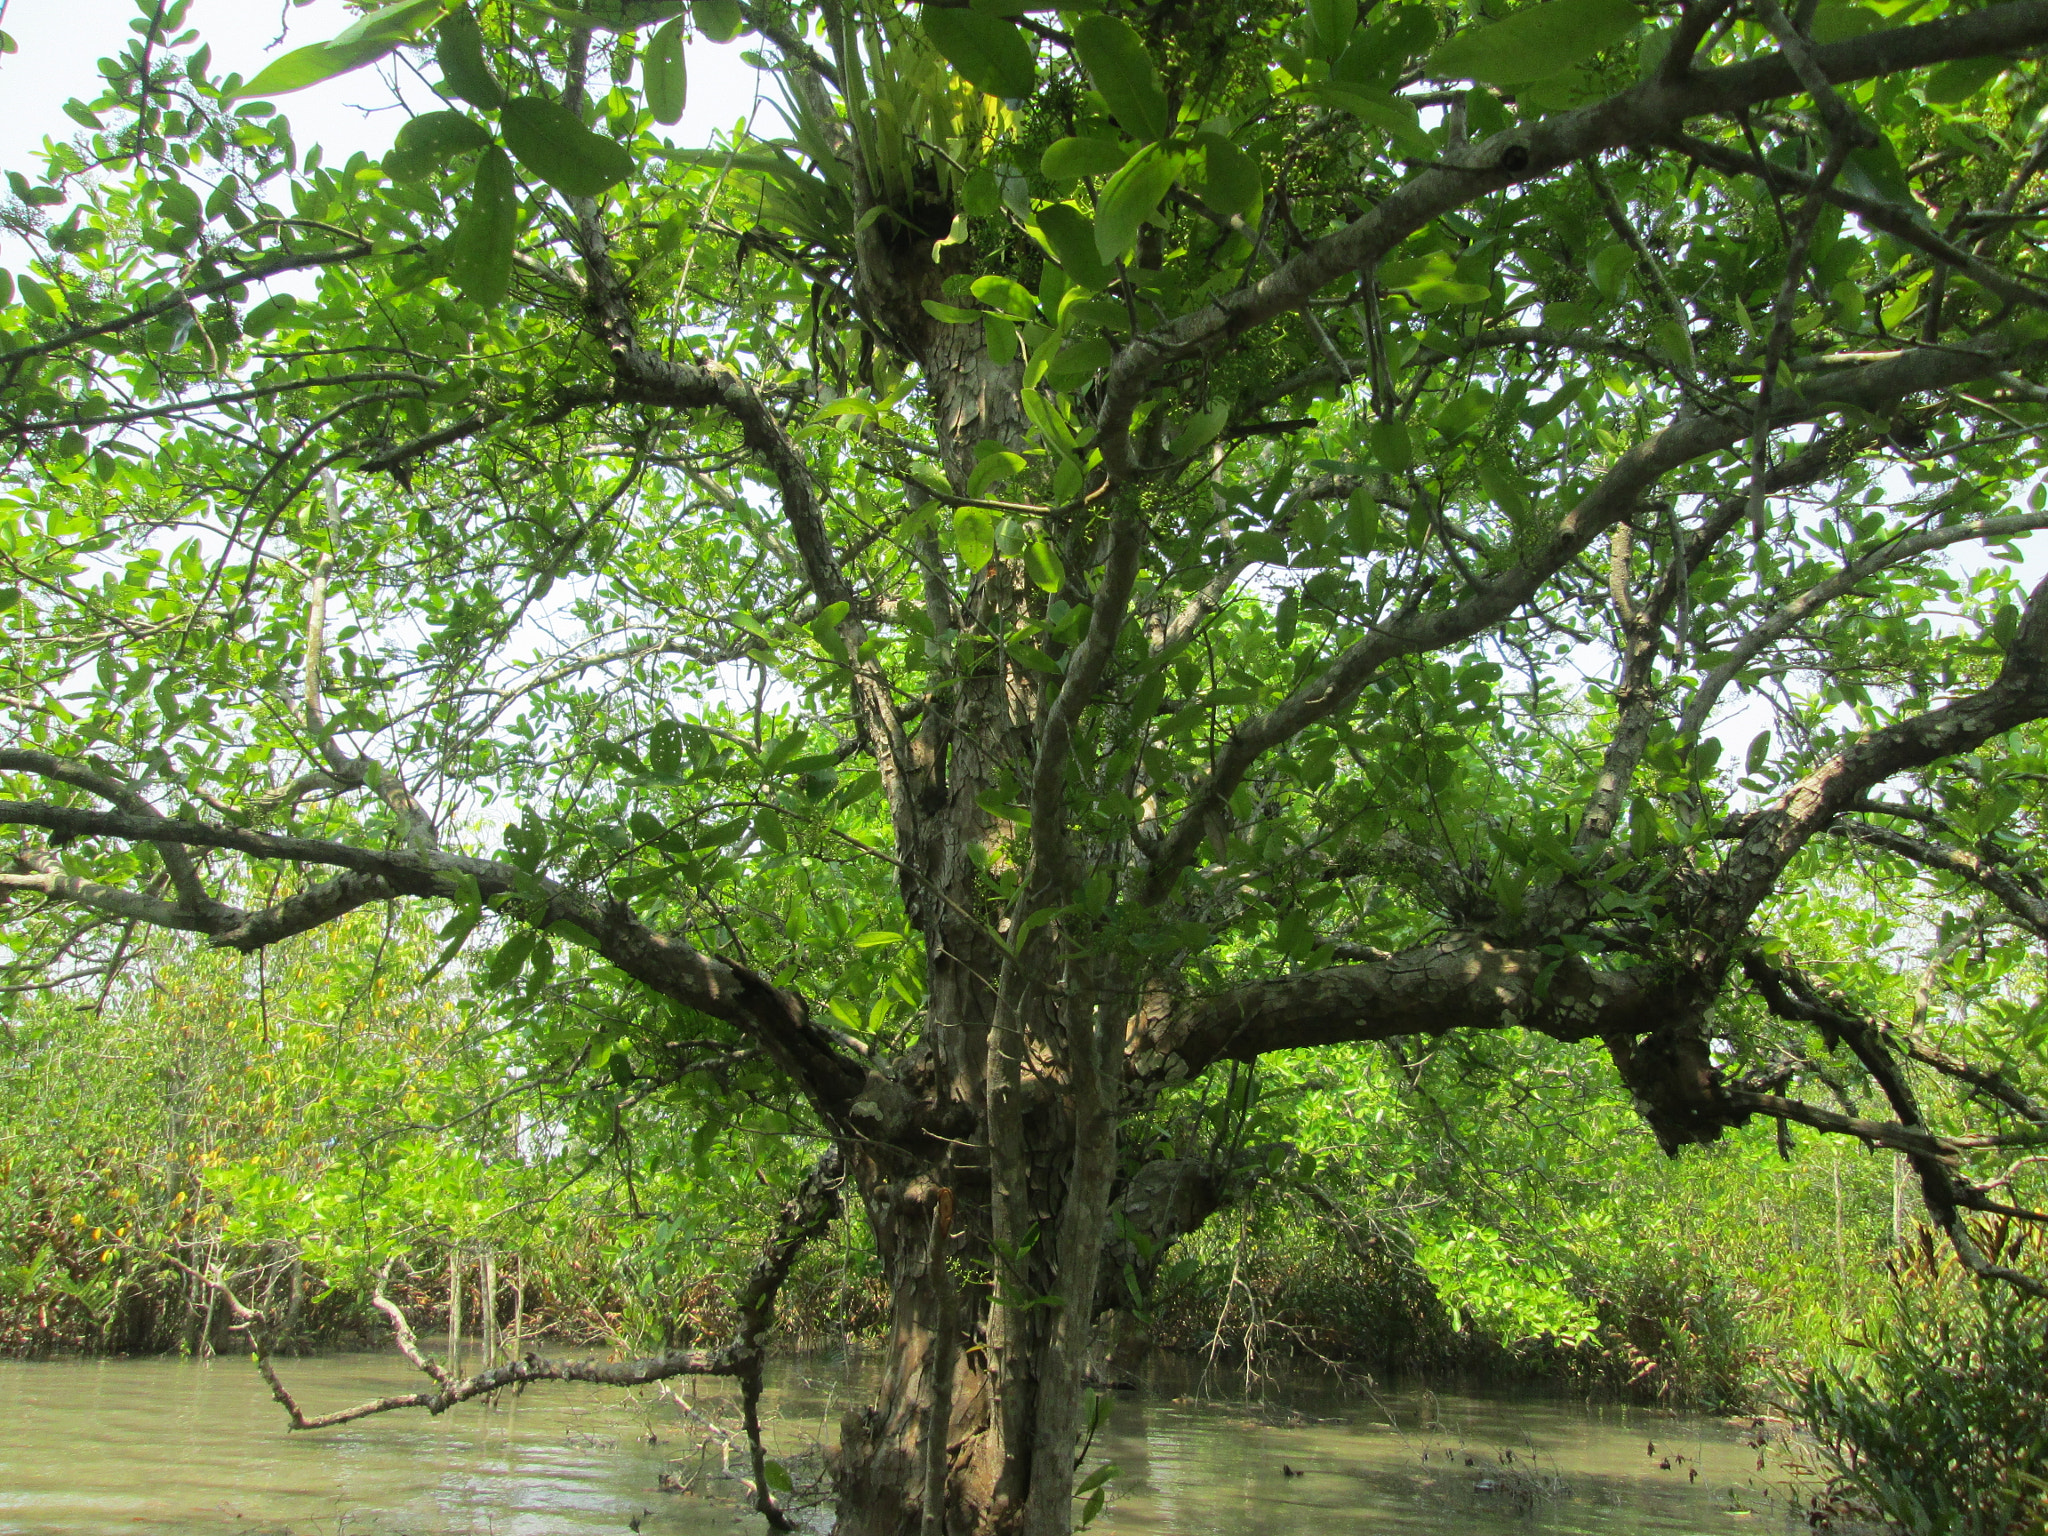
{"x": 1938, "y": 1429}
{"x": 1126, "y": 543}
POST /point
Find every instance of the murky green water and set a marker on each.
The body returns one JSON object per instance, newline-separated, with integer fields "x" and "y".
{"x": 187, "y": 1447}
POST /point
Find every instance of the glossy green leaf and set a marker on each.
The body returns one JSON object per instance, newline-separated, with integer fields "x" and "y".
{"x": 1200, "y": 430}
{"x": 1121, "y": 69}
{"x": 396, "y": 23}
{"x": 479, "y": 253}
{"x": 368, "y": 40}
{"x": 1071, "y": 159}
{"x": 664, "y": 73}
{"x": 1042, "y": 564}
{"x": 990, "y": 52}
{"x": 550, "y": 141}
{"x": 1839, "y": 23}
{"x": 1078, "y": 362}
{"x": 1131, "y": 197}
{"x": 974, "y": 535}
{"x": 312, "y": 64}
{"x": 1069, "y": 234}
{"x": 1395, "y": 115}
{"x": 1535, "y": 42}
{"x": 37, "y": 298}
{"x": 1007, "y": 295}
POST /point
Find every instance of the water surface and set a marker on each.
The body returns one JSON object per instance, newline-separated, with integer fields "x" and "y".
{"x": 197, "y": 1448}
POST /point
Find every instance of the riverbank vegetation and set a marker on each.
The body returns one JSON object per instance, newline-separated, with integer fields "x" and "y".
{"x": 298, "y": 1124}
{"x": 1227, "y": 667}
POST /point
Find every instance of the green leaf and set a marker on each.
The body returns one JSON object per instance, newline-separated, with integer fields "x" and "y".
{"x": 990, "y": 52}
{"x": 1069, "y": 235}
{"x": 1042, "y": 564}
{"x": 1231, "y": 181}
{"x": 663, "y": 72}
{"x": 1395, "y": 115}
{"x": 1610, "y": 268}
{"x": 1839, "y": 23}
{"x": 479, "y": 253}
{"x": 775, "y": 1476}
{"x": 264, "y": 318}
{"x": 1130, "y": 198}
{"x": 1200, "y": 430}
{"x": 364, "y": 43}
{"x": 1007, "y": 295}
{"x": 310, "y": 65}
{"x": 1390, "y": 446}
{"x": 951, "y": 314}
{"x": 1051, "y": 424}
{"x": 1960, "y": 79}
{"x": 974, "y": 533}
{"x": 1002, "y": 338}
{"x": 510, "y": 959}
{"x": 394, "y": 24}
{"x": 1332, "y": 22}
{"x": 1536, "y": 42}
{"x": 1077, "y": 362}
{"x": 993, "y": 467}
{"x": 1122, "y": 71}
{"x": 876, "y": 939}
{"x": 459, "y": 50}
{"x": 39, "y": 299}
{"x": 441, "y": 133}
{"x": 551, "y": 142}
{"x": 719, "y": 20}
{"x": 1071, "y": 159}
{"x": 1095, "y": 1479}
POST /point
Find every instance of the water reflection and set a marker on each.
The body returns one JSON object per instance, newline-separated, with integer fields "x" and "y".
{"x": 186, "y": 1447}
{"x": 1316, "y": 1459}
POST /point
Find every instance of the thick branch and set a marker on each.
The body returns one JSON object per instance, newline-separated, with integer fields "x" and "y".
{"x": 2010, "y": 891}
{"x": 1463, "y": 981}
{"x": 1801, "y": 608}
{"x": 780, "y": 1019}
{"x": 1625, "y": 483}
{"x": 1770, "y": 838}
{"x": 177, "y": 862}
{"x": 1647, "y": 113}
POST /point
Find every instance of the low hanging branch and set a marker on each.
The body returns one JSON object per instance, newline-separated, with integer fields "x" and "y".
{"x": 806, "y": 1216}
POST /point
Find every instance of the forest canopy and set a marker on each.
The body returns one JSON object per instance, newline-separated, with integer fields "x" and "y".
{"x": 1115, "y": 543}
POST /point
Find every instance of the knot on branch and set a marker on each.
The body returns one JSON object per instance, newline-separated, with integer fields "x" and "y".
{"x": 1676, "y": 1086}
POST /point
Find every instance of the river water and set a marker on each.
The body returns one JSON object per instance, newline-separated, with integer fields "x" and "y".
{"x": 185, "y": 1447}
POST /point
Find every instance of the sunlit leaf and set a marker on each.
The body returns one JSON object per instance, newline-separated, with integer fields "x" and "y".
{"x": 1536, "y": 41}
{"x": 1115, "y": 58}
{"x": 990, "y": 52}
